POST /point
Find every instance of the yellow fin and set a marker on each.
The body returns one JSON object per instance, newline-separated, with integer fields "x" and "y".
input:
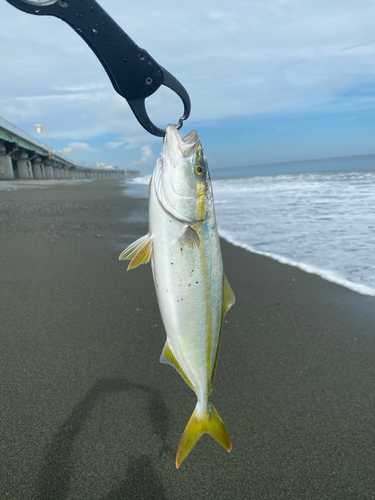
{"x": 210, "y": 423}
{"x": 228, "y": 296}
{"x": 132, "y": 249}
{"x": 139, "y": 252}
{"x": 168, "y": 357}
{"x": 228, "y": 300}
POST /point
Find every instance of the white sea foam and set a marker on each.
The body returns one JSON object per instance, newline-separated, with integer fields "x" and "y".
{"x": 323, "y": 223}
{"x": 137, "y": 187}
{"x": 140, "y": 180}
{"x": 323, "y": 273}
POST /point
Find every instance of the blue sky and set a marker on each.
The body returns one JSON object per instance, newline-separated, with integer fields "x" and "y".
{"x": 270, "y": 81}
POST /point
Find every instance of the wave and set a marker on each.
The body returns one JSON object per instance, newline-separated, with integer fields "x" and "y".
{"x": 145, "y": 180}
{"x": 321, "y": 223}
{"x": 323, "y": 273}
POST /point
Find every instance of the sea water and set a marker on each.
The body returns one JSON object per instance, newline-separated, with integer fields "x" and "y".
{"x": 322, "y": 221}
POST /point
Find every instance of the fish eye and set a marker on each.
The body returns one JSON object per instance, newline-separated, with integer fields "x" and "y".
{"x": 199, "y": 169}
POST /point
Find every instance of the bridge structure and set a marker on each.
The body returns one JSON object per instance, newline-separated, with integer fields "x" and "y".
{"x": 24, "y": 157}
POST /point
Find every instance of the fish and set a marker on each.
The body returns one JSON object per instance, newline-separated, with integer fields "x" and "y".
{"x": 192, "y": 290}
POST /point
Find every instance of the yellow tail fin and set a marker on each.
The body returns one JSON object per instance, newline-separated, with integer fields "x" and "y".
{"x": 211, "y": 423}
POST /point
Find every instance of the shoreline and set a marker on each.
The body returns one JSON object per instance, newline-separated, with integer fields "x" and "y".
{"x": 89, "y": 412}
{"x": 325, "y": 274}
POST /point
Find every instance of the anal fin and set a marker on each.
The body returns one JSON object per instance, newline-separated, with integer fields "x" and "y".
{"x": 168, "y": 357}
{"x": 228, "y": 300}
{"x": 228, "y": 296}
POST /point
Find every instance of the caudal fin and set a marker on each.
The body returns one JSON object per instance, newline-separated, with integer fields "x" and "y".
{"x": 211, "y": 423}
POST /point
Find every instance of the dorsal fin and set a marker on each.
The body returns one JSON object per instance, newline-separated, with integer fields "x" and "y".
{"x": 168, "y": 357}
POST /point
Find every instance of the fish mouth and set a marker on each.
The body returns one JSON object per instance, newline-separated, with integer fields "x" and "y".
{"x": 185, "y": 144}
{"x": 190, "y": 138}
{"x": 178, "y": 192}
{"x": 190, "y": 142}
{"x": 181, "y": 150}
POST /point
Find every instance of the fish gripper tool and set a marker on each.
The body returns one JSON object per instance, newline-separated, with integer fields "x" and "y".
{"x": 134, "y": 74}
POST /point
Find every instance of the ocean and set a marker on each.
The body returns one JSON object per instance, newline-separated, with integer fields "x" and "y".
{"x": 316, "y": 215}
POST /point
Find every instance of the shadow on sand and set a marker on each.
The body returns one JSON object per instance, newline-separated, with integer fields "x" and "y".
{"x": 141, "y": 480}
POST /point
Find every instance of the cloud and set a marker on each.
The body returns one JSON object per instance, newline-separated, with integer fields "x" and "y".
{"x": 115, "y": 144}
{"x": 146, "y": 156}
{"x": 80, "y": 88}
{"x": 236, "y": 59}
{"x": 265, "y": 57}
{"x": 81, "y": 147}
{"x": 16, "y": 114}
{"x": 76, "y": 96}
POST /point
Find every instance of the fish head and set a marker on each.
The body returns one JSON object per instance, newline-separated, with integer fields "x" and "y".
{"x": 182, "y": 179}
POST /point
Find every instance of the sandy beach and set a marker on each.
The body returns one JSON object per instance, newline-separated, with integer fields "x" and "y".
{"x": 87, "y": 412}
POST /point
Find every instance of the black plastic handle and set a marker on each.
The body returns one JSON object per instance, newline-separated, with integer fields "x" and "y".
{"x": 134, "y": 74}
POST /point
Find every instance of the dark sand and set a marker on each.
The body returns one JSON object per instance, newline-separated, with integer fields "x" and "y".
{"x": 87, "y": 411}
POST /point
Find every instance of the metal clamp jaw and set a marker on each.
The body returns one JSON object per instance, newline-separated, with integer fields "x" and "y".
{"x": 134, "y": 74}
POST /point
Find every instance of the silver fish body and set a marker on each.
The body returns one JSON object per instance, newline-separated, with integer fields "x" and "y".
{"x": 192, "y": 291}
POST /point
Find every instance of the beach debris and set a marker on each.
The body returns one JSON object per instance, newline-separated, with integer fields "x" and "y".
{"x": 192, "y": 290}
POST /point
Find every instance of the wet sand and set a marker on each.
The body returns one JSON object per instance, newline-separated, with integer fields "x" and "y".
{"x": 88, "y": 412}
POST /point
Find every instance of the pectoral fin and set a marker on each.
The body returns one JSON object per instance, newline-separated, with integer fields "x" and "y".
{"x": 190, "y": 238}
{"x": 139, "y": 252}
{"x": 168, "y": 357}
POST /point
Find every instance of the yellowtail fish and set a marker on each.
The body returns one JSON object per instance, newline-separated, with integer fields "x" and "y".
{"x": 192, "y": 290}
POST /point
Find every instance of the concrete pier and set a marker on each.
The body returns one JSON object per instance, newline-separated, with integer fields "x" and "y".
{"x": 48, "y": 170}
{"x": 23, "y": 166}
{"x": 6, "y": 167}
{"x": 37, "y": 168}
{"x": 56, "y": 170}
{"x": 24, "y": 157}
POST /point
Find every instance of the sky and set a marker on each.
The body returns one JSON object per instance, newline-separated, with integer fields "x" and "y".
{"x": 269, "y": 80}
